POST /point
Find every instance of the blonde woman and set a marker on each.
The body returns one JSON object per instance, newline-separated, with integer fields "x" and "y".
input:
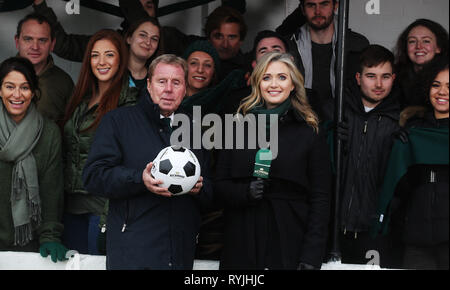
{"x": 279, "y": 222}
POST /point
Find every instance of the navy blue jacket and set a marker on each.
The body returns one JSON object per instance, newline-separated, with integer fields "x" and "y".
{"x": 144, "y": 230}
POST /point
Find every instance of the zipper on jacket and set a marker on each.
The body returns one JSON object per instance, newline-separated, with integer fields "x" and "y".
{"x": 124, "y": 227}
{"x": 84, "y": 116}
{"x": 366, "y": 123}
{"x": 433, "y": 191}
{"x": 432, "y": 176}
{"x": 351, "y": 199}
{"x": 348, "y": 209}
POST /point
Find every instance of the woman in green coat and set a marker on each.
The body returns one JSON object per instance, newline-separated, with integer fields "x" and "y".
{"x": 102, "y": 86}
{"x": 31, "y": 186}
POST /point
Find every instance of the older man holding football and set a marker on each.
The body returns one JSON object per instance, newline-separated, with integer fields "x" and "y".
{"x": 147, "y": 227}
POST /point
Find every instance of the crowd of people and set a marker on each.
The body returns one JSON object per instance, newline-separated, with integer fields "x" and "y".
{"x": 76, "y": 159}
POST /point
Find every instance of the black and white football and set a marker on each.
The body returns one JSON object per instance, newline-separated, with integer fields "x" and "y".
{"x": 178, "y": 168}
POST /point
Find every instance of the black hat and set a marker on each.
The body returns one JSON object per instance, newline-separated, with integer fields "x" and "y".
{"x": 205, "y": 46}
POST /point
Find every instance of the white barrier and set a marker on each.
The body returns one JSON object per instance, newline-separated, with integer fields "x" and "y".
{"x": 34, "y": 261}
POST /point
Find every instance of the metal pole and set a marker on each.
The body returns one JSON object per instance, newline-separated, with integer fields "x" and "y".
{"x": 335, "y": 253}
{"x": 180, "y": 6}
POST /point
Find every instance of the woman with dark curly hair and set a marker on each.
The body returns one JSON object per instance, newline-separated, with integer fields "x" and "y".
{"x": 417, "y": 45}
{"x": 418, "y": 172}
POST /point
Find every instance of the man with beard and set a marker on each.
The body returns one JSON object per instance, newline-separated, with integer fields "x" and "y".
{"x": 316, "y": 42}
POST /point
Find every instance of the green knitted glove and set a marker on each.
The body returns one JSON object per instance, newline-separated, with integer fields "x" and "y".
{"x": 56, "y": 250}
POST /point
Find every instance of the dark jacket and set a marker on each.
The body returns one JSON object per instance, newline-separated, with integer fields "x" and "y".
{"x": 219, "y": 98}
{"x": 56, "y": 87}
{"x": 423, "y": 197}
{"x": 289, "y": 225}
{"x": 355, "y": 44}
{"x": 410, "y": 84}
{"x": 145, "y": 230}
{"x": 364, "y": 165}
{"x": 77, "y": 142}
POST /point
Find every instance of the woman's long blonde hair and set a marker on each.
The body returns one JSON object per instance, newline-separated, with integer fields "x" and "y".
{"x": 298, "y": 98}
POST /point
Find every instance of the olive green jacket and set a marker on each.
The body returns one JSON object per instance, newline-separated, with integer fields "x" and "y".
{"x": 76, "y": 144}
{"x": 48, "y": 156}
{"x": 56, "y": 87}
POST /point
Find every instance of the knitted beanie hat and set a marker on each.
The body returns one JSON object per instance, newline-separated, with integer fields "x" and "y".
{"x": 205, "y": 46}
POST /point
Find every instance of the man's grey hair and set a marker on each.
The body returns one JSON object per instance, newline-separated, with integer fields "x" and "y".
{"x": 168, "y": 59}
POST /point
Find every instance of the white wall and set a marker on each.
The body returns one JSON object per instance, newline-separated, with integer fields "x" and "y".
{"x": 394, "y": 17}
{"x": 34, "y": 261}
{"x": 383, "y": 29}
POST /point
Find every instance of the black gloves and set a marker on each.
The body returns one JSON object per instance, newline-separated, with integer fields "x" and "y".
{"x": 304, "y": 266}
{"x": 402, "y": 134}
{"x": 342, "y": 131}
{"x": 256, "y": 190}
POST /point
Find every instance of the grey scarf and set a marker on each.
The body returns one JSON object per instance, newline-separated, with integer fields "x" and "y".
{"x": 305, "y": 49}
{"x": 16, "y": 143}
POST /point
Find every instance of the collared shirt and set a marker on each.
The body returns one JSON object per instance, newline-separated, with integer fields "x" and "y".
{"x": 170, "y": 117}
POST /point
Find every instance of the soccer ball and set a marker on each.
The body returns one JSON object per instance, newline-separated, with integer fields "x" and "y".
{"x": 178, "y": 168}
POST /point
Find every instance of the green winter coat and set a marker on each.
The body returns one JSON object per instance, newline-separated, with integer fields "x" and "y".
{"x": 76, "y": 148}
{"x": 48, "y": 156}
{"x": 426, "y": 146}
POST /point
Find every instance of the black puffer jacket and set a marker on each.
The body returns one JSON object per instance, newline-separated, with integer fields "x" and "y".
{"x": 423, "y": 195}
{"x": 366, "y": 157}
